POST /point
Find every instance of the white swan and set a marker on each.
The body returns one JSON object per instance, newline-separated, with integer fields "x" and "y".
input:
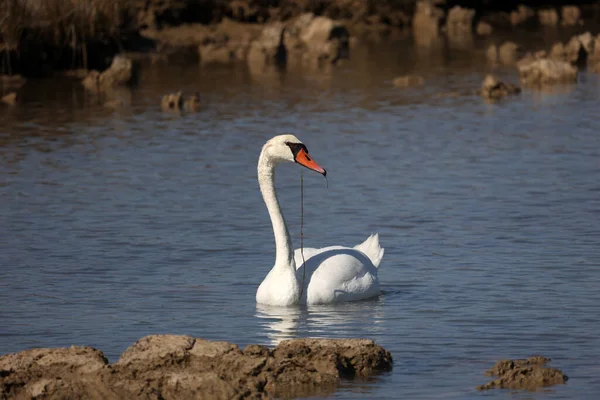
{"x": 333, "y": 274}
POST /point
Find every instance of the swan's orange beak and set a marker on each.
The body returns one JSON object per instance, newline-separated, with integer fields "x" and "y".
{"x": 305, "y": 160}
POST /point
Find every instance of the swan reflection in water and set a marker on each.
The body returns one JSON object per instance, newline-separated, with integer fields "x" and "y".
{"x": 342, "y": 320}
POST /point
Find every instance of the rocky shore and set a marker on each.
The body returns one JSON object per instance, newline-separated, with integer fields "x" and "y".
{"x": 167, "y": 366}
{"x": 102, "y": 42}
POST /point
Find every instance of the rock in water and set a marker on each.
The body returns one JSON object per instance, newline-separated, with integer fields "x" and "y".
{"x": 544, "y": 71}
{"x": 493, "y": 89}
{"x": 11, "y": 98}
{"x": 408, "y": 81}
{"x": 121, "y": 72}
{"x": 182, "y": 367}
{"x": 427, "y": 22}
{"x": 529, "y": 374}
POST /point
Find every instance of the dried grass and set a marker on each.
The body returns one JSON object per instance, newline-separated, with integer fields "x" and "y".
{"x": 61, "y": 22}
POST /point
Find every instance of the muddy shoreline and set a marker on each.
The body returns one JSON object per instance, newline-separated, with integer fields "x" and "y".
{"x": 38, "y": 41}
{"x": 313, "y": 41}
{"x": 171, "y": 366}
{"x": 168, "y": 366}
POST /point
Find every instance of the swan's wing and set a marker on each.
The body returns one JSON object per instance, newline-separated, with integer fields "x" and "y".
{"x": 338, "y": 273}
{"x": 308, "y": 253}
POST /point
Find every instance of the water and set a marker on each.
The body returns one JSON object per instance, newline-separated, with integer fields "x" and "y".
{"x": 120, "y": 223}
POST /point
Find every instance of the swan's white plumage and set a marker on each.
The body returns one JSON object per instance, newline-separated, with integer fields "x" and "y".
{"x": 329, "y": 275}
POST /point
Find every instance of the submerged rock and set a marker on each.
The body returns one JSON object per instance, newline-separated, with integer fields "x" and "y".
{"x": 544, "y": 71}
{"x": 168, "y": 366}
{"x": 408, "y": 81}
{"x": 177, "y": 102}
{"x": 493, "y": 89}
{"x": 529, "y": 374}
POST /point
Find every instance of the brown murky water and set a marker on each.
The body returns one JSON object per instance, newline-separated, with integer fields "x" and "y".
{"x": 118, "y": 222}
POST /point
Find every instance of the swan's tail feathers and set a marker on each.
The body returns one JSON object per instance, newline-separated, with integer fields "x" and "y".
{"x": 372, "y": 249}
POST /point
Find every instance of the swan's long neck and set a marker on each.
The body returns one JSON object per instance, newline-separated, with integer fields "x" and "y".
{"x": 284, "y": 255}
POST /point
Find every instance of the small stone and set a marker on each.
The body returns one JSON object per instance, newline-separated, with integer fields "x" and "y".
{"x": 484, "y": 29}
{"x": 11, "y": 99}
{"x": 172, "y": 101}
{"x": 493, "y": 89}
{"x": 492, "y": 54}
{"x": 529, "y": 374}
{"x": 408, "y": 81}
{"x": 521, "y": 15}
{"x": 548, "y": 17}
{"x": 177, "y": 102}
{"x": 508, "y": 53}
{"x": 570, "y": 15}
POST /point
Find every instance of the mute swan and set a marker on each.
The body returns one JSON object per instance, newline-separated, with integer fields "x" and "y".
{"x": 333, "y": 274}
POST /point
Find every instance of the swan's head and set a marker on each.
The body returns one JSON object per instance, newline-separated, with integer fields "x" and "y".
{"x": 289, "y": 148}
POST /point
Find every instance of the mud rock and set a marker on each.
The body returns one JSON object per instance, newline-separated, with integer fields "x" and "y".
{"x": 576, "y": 52}
{"x": 185, "y": 35}
{"x": 427, "y": 22}
{"x": 484, "y": 29}
{"x": 595, "y": 48}
{"x": 53, "y": 373}
{"x": 529, "y": 374}
{"x": 309, "y": 40}
{"x": 492, "y": 54}
{"x": 120, "y": 73}
{"x": 545, "y": 71}
{"x": 459, "y": 21}
{"x": 243, "y": 11}
{"x": 521, "y": 15}
{"x": 11, "y": 82}
{"x": 167, "y": 366}
{"x": 177, "y": 102}
{"x": 216, "y": 54}
{"x": 558, "y": 51}
{"x": 587, "y": 41}
{"x": 508, "y": 53}
{"x": 228, "y": 42}
{"x": 493, "y": 89}
{"x": 269, "y": 48}
{"x": 326, "y": 41}
{"x": 408, "y": 81}
{"x": 11, "y": 98}
{"x": 571, "y": 15}
{"x": 548, "y": 17}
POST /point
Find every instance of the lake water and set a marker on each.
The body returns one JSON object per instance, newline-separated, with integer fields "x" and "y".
{"x": 123, "y": 222}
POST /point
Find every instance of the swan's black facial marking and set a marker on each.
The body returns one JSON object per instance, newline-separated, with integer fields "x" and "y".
{"x": 296, "y": 147}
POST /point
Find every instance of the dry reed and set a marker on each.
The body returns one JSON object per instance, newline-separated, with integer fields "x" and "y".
{"x": 61, "y": 22}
